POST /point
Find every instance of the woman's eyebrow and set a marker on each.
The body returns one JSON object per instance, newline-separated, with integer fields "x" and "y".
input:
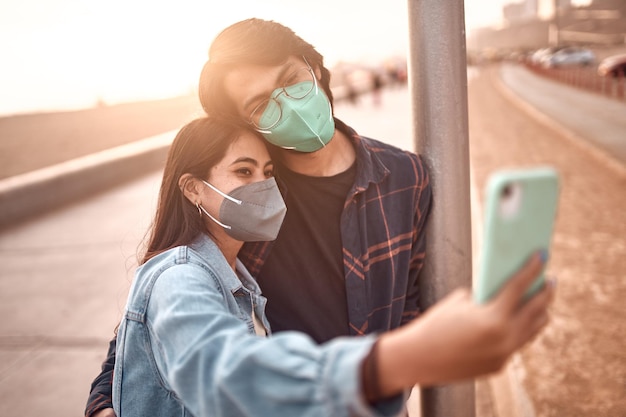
{"x": 245, "y": 159}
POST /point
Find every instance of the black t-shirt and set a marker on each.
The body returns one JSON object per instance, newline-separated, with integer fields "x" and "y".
{"x": 303, "y": 277}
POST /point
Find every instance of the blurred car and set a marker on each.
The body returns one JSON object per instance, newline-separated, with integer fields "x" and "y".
{"x": 539, "y": 55}
{"x": 613, "y": 66}
{"x": 570, "y": 56}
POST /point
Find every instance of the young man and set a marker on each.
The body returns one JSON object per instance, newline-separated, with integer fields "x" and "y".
{"x": 352, "y": 243}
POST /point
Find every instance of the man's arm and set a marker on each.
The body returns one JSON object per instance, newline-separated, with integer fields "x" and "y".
{"x": 101, "y": 394}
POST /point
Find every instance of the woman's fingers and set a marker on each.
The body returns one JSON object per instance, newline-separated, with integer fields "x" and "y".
{"x": 509, "y": 298}
{"x": 534, "y": 315}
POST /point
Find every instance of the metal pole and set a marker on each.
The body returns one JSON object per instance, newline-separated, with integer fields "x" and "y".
{"x": 438, "y": 83}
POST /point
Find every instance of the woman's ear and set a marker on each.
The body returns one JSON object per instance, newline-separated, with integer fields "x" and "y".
{"x": 190, "y": 187}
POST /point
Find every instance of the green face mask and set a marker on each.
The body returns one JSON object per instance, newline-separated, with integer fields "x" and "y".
{"x": 304, "y": 124}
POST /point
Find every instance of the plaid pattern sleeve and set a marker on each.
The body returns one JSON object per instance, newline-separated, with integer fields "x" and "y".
{"x": 101, "y": 394}
{"x": 383, "y": 231}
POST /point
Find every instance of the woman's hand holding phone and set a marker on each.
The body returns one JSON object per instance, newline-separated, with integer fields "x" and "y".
{"x": 459, "y": 339}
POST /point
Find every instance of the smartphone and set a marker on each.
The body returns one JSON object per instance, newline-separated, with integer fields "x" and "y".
{"x": 519, "y": 213}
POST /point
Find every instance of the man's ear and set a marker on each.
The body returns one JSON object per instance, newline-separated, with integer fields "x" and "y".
{"x": 190, "y": 187}
{"x": 316, "y": 69}
{"x": 318, "y": 72}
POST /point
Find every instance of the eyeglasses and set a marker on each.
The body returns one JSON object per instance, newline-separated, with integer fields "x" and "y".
{"x": 297, "y": 85}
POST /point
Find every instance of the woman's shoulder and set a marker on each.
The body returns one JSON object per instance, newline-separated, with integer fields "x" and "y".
{"x": 173, "y": 267}
{"x": 202, "y": 252}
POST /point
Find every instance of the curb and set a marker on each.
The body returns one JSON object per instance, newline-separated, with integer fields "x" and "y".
{"x": 510, "y": 397}
{"x": 27, "y": 195}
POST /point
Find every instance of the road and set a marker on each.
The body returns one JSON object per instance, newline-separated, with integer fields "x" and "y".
{"x": 66, "y": 274}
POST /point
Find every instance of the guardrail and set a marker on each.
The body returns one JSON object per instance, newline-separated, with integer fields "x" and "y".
{"x": 585, "y": 78}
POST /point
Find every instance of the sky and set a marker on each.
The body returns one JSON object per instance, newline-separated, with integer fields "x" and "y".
{"x": 72, "y": 54}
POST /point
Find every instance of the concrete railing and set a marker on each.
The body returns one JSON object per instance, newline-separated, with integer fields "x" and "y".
{"x": 37, "y": 192}
{"x": 27, "y": 195}
{"x": 585, "y": 78}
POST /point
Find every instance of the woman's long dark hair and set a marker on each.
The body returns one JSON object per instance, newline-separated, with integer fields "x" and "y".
{"x": 251, "y": 42}
{"x": 198, "y": 146}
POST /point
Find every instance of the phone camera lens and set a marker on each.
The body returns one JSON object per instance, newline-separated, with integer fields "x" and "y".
{"x": 506, "y": 191}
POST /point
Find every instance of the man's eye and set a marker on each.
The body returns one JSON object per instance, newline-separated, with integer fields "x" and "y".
{"x": 258, "y": 111}
{"x": 298, "y": 76}
{"x": 260, "y": 108}
{"x": 292, "y": 79}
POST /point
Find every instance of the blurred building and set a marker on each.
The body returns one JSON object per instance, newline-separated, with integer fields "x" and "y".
{"x": 520, "y": 12}
{"x": 533, "y": 24}
{"x": 603, "y": 22}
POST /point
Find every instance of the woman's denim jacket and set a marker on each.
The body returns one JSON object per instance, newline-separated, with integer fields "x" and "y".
{"x": 186, "y": 347}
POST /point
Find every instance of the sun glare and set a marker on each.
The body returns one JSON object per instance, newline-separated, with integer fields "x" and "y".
{"x": 76, "y": 53}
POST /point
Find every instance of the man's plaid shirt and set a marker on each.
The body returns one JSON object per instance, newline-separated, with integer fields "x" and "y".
{"x": 383, "y": 234}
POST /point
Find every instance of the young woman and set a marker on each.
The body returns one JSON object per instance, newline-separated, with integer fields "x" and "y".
{"x": 193, "y": 337}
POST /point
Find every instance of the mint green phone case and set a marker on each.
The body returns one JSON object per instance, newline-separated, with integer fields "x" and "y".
{"x": 520, "y": 209}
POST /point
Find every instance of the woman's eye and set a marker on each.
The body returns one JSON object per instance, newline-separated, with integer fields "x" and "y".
{"x": 244, "y": 171}
{"x": 269, "y": 173}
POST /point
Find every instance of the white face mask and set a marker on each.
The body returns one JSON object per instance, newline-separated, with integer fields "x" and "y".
{"x": 251, "y": 213}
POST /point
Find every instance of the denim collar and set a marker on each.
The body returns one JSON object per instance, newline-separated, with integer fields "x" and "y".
{"x": 208, "y": 250}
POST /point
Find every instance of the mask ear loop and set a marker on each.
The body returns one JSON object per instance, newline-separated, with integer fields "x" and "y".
{"x": 202, "y": 210}
{"x": 226, "y": 196}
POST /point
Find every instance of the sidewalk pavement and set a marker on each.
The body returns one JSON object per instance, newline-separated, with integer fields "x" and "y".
{"x": 66, "y": 273}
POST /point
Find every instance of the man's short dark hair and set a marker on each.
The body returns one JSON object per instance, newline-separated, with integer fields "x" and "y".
{"x": 251, "y": 42}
